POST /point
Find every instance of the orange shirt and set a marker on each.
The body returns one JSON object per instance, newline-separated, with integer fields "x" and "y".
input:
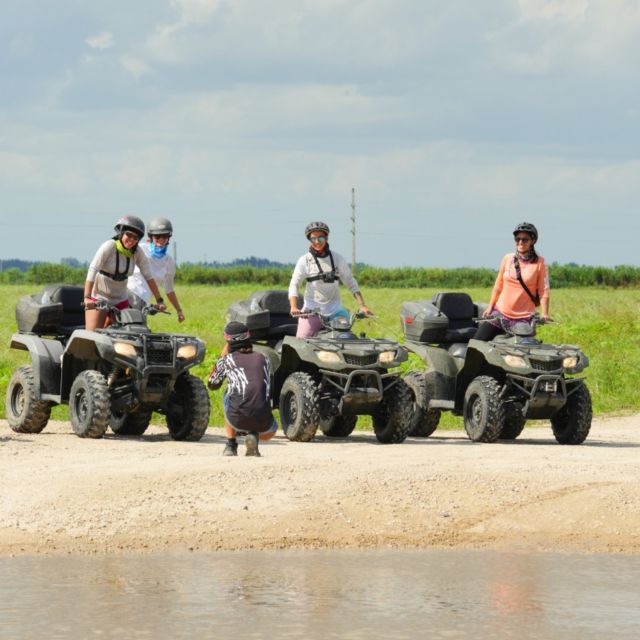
{"x": 511, "y": 298}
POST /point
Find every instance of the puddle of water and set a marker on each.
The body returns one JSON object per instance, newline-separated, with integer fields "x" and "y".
{"x": 387, "y": 594}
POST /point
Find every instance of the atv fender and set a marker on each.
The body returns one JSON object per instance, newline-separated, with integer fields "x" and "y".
{"x": 83, "y": 349}
{"x": 442, "y": 370}
{"x": 46, "y": 356}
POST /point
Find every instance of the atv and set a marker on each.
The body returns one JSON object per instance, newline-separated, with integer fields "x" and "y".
{"x": 496, "y": 385}
{"x": 325, "y": 382}
{"x": 114, "y": 377}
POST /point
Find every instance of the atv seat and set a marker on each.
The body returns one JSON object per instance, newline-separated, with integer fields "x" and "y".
{"x": 460, "y": 310}
{"x": 276, "y": 302}
{"x": 71, "y": 297}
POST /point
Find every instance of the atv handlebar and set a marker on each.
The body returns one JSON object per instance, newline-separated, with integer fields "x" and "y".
{"x": 103, "y": 305}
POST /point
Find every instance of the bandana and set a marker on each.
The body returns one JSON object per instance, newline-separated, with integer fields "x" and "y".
{"x": 127, "y": 253}
{"x": 325, "y": 251}
{"x": 158, "y": 250}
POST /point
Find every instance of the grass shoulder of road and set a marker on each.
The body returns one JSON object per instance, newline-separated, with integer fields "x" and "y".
{"x": 603, "y": 322}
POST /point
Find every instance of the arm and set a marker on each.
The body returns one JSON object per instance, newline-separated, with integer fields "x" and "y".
{"x": 347, "y": 278}
{"x": 156, "y": 292}
{"x": 173, "y": 298}
{"x": 543, "y": 287}
{"x": 217, "y": 374}
{"x": 496, "y": 291}
{"x": 294, "y": 285}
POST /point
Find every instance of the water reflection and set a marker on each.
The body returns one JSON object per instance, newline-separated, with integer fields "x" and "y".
{"x": 327, "y": 594}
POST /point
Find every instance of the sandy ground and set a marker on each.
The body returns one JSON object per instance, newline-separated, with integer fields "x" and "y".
{"x": 63, "y": 494}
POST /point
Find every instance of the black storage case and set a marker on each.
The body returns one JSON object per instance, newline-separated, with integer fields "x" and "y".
{"x": 422, "y": 321}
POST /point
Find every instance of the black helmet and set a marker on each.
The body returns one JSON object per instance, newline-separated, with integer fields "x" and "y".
{"x": 132, "y": 223}
{"x": 236, "y": 332}
{"x": 160, "y": 226}
{"x": 527, "y": 227}
{"x": 316, "y": 226}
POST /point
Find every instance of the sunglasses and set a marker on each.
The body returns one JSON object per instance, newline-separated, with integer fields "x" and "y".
{"x": 315, "y": 239}
{"x": 132, "y": 235}
{"x": 523, "y": 239}
{"x": 161, "y": 236}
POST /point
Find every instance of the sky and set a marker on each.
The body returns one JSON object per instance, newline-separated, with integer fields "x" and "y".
{"x": 243, "y": 120}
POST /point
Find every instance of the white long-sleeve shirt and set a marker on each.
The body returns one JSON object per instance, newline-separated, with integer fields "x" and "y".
{"x": 106, "y": 288}
{"x": 163, "y": 271}
{"x": 319, "y": 295}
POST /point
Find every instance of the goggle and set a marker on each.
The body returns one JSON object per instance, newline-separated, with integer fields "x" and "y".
{"x": 315, "y": 239}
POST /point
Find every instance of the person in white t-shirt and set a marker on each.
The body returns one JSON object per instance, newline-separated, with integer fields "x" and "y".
{"x": 322, "y": 271}
{"x": 162, "y": 265}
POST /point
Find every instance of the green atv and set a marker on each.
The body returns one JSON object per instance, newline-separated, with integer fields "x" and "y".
{"x": 114, "y": 377}
{"x": 325, "y": 382}
{"x": 496, "y": 385}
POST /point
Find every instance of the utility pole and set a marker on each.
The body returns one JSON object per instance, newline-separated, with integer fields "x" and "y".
{"x": 175, "y": 253}
{"x": 353, "y": 230}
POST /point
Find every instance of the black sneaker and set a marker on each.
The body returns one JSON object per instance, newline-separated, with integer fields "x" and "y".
{"x": 231, "y": 449}
{"x": 251, "y": 443}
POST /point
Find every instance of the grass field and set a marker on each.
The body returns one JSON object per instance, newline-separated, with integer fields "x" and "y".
{"x": 604, "y": 323}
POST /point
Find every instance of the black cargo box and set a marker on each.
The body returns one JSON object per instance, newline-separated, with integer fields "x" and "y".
{"x": 45, "y": 312}
{"x": 422, "y": 321}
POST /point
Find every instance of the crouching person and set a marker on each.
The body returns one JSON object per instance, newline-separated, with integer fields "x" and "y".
{"x": 247, "y": 406}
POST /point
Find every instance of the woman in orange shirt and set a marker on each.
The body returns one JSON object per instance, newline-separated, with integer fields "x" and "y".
{"x": 522, "y": 284}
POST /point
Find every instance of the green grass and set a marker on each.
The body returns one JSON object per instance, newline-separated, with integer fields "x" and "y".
{"x": 604, "y": 322}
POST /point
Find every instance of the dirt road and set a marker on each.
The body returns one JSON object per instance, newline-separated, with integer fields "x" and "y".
{"x": 62, "y": 494}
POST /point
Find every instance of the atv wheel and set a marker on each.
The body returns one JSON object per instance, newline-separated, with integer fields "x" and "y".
{"x": 188, "y": 409}
{"x": 572, "y": 423}
{"x": 299, "y": 407}
{"x": 25, "y": 412}
{"x": 423, "y": 421}
{"x": 130, "y": 424}
{"x": 89, "y": 404}
{"x": 514, "y": 422}
{"x": 392, "y": 420}
{"x": 338, "y": 426}
{"x": 484, "y": 410}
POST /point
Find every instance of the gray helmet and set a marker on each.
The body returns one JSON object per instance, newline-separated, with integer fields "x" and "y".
{"x": 527, "y": 227}
{"x": 160, "y": 226}
{"x": 132, "y": 223}
{"x": 316, "y": 226}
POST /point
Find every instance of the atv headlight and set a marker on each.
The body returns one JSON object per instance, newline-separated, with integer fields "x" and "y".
{"x": 125, "y": 349}
{"x": 328, "y": 357}
{"x": 570, "y": 362}
{"x": 515, "y": 361}
{"x": 187, "y": 351}
{"x": 386, "y": 357}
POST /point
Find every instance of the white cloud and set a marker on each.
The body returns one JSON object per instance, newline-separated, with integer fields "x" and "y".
{"x": 101, "y": 41}
{"x": 135, "y": 66}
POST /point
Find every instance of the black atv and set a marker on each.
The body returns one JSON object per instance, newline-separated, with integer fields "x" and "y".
{"x": 328, "y": 380}
{"x": 114, "y": 377}
{"x": 496, "y": 385}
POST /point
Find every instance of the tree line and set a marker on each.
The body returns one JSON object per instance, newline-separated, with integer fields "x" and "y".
{"x": 561, "y": 275}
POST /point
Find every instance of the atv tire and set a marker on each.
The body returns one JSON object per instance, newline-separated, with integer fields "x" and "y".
{"x": 188, "y": 409}
{"x": 571, "y": 425}
{"x": 424, "y": 421}
{"x": 130, "y": 424}
{"x": 392, "y": 420}
{"x": 483, "y": 410}
{"x": 26, "y": 413}
{"x": 514, "y": 422}
{"x": 338, "y": 426}
{"x": 299, "y": 407}
{"x": 89, "y": 404}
